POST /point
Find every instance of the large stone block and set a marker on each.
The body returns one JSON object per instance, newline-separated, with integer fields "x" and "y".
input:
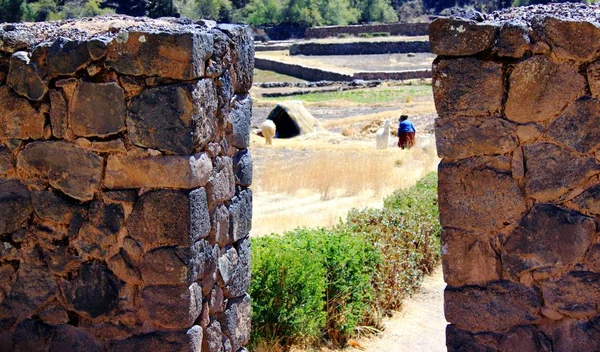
{"x": 173, "y": 55}
{"x": 200, "y": 217}
{"x": 241, "y": 116}
{"x": 468, "y": 87}
{"x": 458, "y": 340}
{"x": 73, "y": 170}
{"x": 161, "y": 341}
{"x": 525, "y": 339}
{"x": 221, "y": 185}
{"x": 52, "y": 206}
{"x": 99, "y": 231}
{"x": 234, "y": 269}
{"x": 577, "y": 335}
{"x": 551, "y": 171}
{"x": 540, "y": 89}
{"x": 65, "y": 57}
{"x": 548, "y": 236}
{"x": 235, "y": 322}
{"x": 17, "y": 118}
{"x": 7, "y": 162}
{"x": 15, "y": 205}
{"x": 69, "y": 338}
{"x": 213, "y": 339}
{"x": 571, "y": 40}
{"x": 23, "y": 78}
{"x": 98, "y": 109}
{"x": 589, "y": 200}
{"x": 161, "y": 218}
{"x": 172, "y": 307}
{"x": 513, "y": 40}
{"x": 468, "y": 258}
{"x": 32, "y": 336}
{"x": 592, "y": 258}
{"x": 242, "y": 56}
{"x": 205, "y": 117}
{"x": 32, "y": 287}
{"x": 593, "y": 77}
{"x": 495, "y": 307}
{"x": 58, "y": 114}
{"x": 95, "y": 290}
{"x": 165, "y": 171}
{"x": 577, "y": 127}
{"x": 166, "y": 266}
{"x": 173, "y": 118}
{"x": 463, "y": 137}
{"x": 203, "y": 262}
{"x": 460, "y": 37}
{"x": 242, "y": 167}
{"x": 220, "y": 226}
{"x": 575, "y": 294}
{"x": 478, "y": 200}
{"x": 240, "y": 214}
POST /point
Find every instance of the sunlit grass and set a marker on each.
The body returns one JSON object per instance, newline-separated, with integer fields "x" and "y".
{"x": 261, "y": 76}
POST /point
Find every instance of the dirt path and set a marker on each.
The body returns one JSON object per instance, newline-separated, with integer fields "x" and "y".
{"x": 419, "y": 327}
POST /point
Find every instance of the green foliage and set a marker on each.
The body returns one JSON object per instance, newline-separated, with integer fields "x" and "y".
{"x": 380, "y": 34}
{"x": 160, "y": 8}
{"x": 264, "y": 12}
{"x": 313, "y": 283}
{"x": 310, "y": 283}
{"x": 11, "y": 10}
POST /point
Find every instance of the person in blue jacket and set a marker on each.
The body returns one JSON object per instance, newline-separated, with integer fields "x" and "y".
{"x": 406, "y": 133}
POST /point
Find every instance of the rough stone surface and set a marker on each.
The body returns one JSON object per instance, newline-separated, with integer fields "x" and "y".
{"x": 94, "y": 291}
{"x": 221, "y": 185}
{"x": 220, "y": 224}
{"x": 495, "y": 307}
{"x": 525, "y": 339}
{"x": 461, "y": 340}
{"x": 240, "y": 214}
{"x": 463, "y": 137}
{"x": 551, "y": 170}
{"x": 460, "y": 38}
{"x": 99, "y": 231}
{"x": 15, "y": 205}
{"x": 203, "y": 261}
{"x": 242, "y": 56}
{"x": 32, "y": 287}
{"x": 577, "y": 126}
{"x": 172, "y": 307}
{"x": 467, "y": 87}
{"x": 69, "y": 338}
{"x": 593, "y": 75}
{"x": 236, "y": 322}
{"x": 241, "y": 114}
{"x": 58, "y": 114}
{"x": 160, "y": 341}
{"x": 7, "y": 163}
{"x": 513, "y": 40}
{"x": 484, "y": 200}
{"x": 98, "y": 109}
{"x": 468, "y": 258}
{"x": 166, "y": 266}
{"x": 242, "y": 167}
{"x": 164, "y": 171}
{"x": 52, "y": 206}
{"x": 548, "y": 236}
{"x": 571, "y": 40}
{"x": 575, "y": 295}
{"x": 540, "y": 89}
{"x": 174, "y": 55}
{"x": 66, "y": 57}
{"x": 577, "y": 335}
{"x": 23, "y": 78}
{"x": 200, "y": 217}
{"x": 234, "y": 269}
{"x": 77, "y": 173}
{"x": 17, "y": 118}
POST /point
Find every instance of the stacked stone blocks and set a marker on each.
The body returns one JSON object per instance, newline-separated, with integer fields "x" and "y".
{"x": 518, "y": 132}
{"x": 124, "y": 172}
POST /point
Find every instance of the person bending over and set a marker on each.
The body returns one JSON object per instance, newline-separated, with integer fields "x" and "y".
{"x": 406, "y": 133}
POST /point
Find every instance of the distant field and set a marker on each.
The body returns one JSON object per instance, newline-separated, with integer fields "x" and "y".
{"x": 261, "y": 76}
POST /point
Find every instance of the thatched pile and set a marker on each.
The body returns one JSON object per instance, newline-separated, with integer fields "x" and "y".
{"x": 292, "y": 119}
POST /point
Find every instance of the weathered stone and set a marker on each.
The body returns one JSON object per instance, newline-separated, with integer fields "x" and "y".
{"x": 575, "y": 295}
{"x": 54, "y": 315}
{"x": 478, "y": 199}
{"x": 97, "y": 47}
{"x": 241, "y": 118}
{"x": 15, "y": 205}
{"x": 571, "y": 40}
{"x": 65, "y": 57}
{"x": 99, "y": 231}
{"x": 525, "y": 339}
{"x": 548, "y": 236}
{"x": 468, "y": 258}
{"x": 551, "y": 170}
{"x": 162, "y": 341}
{"x": 168, "y": 171}
{"x": 32, "y": 287}
{"x": 240, "y": 214}
{"x": 132, "y": 85}
{"x": 458, "y": 340}
{"x": 17, "y": 118}
{"x": 50, "y": 205}
{"x": 593, "y": 76}
{"x": 540, "y": 89}
{"x": 205, "y": 115}
{"x": 58, "y": 114}
{"x": 576, "y": 335}
{"x": 235, "y": 322}
{"x": 234, "y": 269}
{"x": 76, "y": 173}
{"x": 529, "y": 132}
{"x": 114, "y": 146}
{"x": 513, "y": 40}
{"x": 173, "y": 55}
{"x": 459, "y": 37}
{"x": 221, "y": 185}
{"x": 94, "y": 291}
{"x": 124, "y": 268}
{"x": 161, "y": 218}
{"x": 199, "y": 216}
{"x": 462, "y": 137}
{"x": 217, "y": 300}
{"x": 32, "y": 336}
{"x": 221, "y": 59}
{"x": 166, "y": 266}
{"x": 213, "y": 339}
{"x": 6, "y": 280}
{"x": 242, "y": 167}
{"x": 7, "y": 163}
{"x": 495, "y": 307}
{"x": 23, "y": 78}
{"x": 172, "y": 118}
{"x": 577, "y": 126}
{"x": 203, "y": 262}
{"x": 97, "y": 109}
{"x": 589, "y": 200}
{"x": 69, "y": 338}
{"x": 592, "y": 258}
{"x": 60, "y": 259}
{"x": 518, "y": 165}
{"x": 242, "y": 56}
{"x": 132, "y": 247}
{"x": 220, "y": 225}
{"x": 467, "y": 87}
{"x": 172, "y": 307}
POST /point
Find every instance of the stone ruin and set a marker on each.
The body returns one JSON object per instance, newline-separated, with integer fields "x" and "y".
{"x": 518, "y": 98}
{"x": 124, "y": 172}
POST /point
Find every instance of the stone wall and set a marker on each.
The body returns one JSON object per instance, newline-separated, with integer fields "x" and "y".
{"x": 407, "y": 29}
{"x": 361, "y": 48}
{"x": 124, "y": 174}
{"x": 518, "y": 98}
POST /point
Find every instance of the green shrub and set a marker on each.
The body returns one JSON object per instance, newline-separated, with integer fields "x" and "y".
{"x": 380, "y": 34}
{"x": 364, "y": 35}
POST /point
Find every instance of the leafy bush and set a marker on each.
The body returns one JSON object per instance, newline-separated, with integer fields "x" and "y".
{"x": 380, "y": 34}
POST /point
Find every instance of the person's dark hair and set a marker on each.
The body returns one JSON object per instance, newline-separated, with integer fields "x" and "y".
{"x": 403, "y": 117}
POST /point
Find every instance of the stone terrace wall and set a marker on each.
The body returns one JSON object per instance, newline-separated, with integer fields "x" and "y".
{"x": 408, "y": 29}
{"x": 360, "y": 48}
{"x": 518, "y": 98}
{"x": 124, "y": 173}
